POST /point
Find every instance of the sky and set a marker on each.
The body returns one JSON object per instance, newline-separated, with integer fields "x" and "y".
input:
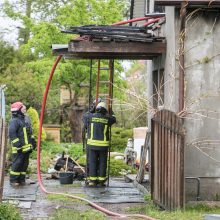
{"x": 9, "y": 30}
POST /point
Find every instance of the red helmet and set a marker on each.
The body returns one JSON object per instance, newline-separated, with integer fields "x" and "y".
{"x": 16, "y": 106}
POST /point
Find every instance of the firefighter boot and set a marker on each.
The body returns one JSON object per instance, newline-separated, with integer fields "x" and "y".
{"x": 92, "y": 183}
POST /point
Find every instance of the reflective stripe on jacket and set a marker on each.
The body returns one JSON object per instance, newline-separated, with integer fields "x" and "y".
{"x": 20, "y": 135}
{"x": 98, "y": 129}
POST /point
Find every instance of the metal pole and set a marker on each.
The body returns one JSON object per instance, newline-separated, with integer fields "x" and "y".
{"x": 131, "y": 11}
{"x": 90, "y": 84}
{"x": 97, "y": 83}
{"x": 111, "y": 79}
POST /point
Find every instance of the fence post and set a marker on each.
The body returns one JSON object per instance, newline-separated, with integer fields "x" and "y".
{"x": 3, "y": 142}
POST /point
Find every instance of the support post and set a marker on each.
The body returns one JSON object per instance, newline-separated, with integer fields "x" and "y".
{"x": 181, "y": 55}
{"x": 3, "y": 142}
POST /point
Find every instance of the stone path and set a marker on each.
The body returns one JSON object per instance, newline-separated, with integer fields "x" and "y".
{"x": 34, "y": 204}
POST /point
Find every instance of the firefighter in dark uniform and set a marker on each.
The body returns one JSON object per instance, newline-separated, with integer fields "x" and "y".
{"x": 22, "y": 141}
{"x": 98, "y": 125}
{"x": 84, "y": 132}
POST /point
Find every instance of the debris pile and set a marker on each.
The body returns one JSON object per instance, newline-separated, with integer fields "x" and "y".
{"x": 113, "y": 33}
{"x": 67, "y": 164}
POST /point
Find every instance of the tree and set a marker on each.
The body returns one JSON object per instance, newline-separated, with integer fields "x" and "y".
{"x": 29, "y": 12}
{"x": 41, "y": 32}
{"x": 132, "y": 109}
{"x": 7, "y": 55}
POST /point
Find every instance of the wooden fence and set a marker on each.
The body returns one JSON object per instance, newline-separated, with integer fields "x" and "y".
{"x": 3, "y": 142}
{"x": 167, "y": 160}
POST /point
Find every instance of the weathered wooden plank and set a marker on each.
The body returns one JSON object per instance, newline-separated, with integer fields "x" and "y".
{"x": 111, "y": 50}
{"x": 117, "y": 47}
{"x": 168, "y": 160}
{"x": 207, "y": 3}
{"x": 182, "y": 177}
{"x": 162, "y": 159}
{"x": 156, "y": 143}
{"x": 152, "y": 166}
{"x": 176, "y": 166}
{"x": 165, "y": 158}
{"x": 141, "y": 171}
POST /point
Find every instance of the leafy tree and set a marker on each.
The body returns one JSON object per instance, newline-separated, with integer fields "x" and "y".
{"x": 7, "y": 54}
{"x": 41, "y": 23}
{"x": 132, "y": 109}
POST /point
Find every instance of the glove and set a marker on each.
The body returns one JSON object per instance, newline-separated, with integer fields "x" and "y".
{"x": 34, "y": 143}
{"x": 19, "y": 150}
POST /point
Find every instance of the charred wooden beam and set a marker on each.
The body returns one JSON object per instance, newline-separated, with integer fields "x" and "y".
{"x": 206, "y": 3}
{"x": 111, "y": 50}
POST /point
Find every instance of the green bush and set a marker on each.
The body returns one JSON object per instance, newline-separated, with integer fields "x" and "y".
{"x": 9, "y": 212}
{"x": 74, "y": 150}
{"x": 119, "y": 138}
{"x": 35, "y": 123}
{"x": 116, "y": 166}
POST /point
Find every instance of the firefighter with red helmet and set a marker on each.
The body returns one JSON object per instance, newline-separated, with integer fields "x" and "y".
{"x": 22, "y": 141}
{"x": 98, "y": 126}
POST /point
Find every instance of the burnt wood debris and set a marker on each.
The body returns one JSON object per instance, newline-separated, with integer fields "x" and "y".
{"x": 114, "y": 33}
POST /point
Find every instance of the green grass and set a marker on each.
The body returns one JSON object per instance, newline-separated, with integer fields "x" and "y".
{"x": 74, "y": 150}
{"x": 66, "y": 199}
{"x": 67, "y": 214}
{"x": 195, "y": 212}
{"x": 9, "y": 212}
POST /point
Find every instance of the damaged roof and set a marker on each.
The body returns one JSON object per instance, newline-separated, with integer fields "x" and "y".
{"x": 111, "y": 42}
{"x": 190, "y": 3}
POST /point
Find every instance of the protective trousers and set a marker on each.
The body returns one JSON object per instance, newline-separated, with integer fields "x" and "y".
{"x": 20, "y": 162}
{"x": 97, "y": 164}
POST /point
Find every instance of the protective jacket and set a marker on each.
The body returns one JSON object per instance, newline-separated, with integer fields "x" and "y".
{"x": 20, "y": 134}
{"x": 98, "y": 130}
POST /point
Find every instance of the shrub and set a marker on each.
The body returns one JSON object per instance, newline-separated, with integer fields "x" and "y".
{"x": 74, "y": 150}
{"x": 35, "y": 123}
{"x": 116, "y": 166}
{"x": 9, "y": 212}
{"x": 119, "y": 138}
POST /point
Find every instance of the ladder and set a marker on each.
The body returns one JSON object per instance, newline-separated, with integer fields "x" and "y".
{"x": 106, "y": 95}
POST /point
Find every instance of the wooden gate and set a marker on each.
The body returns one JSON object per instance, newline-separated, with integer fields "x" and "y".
{"x": 167, "y": 160}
